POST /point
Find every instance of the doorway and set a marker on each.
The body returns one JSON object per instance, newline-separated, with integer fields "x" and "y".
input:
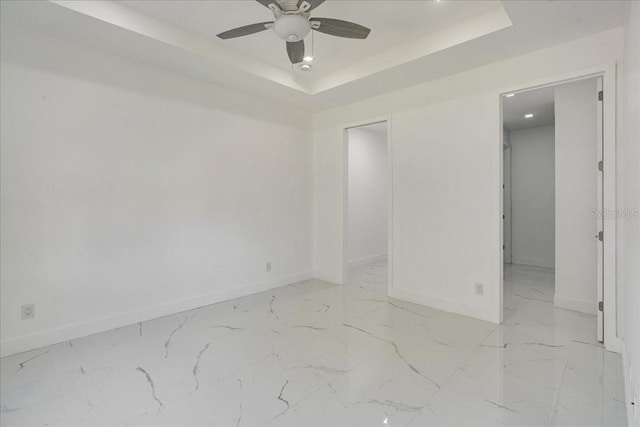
{"x": 367, "y": 225}
{"x": 553, "y": 190}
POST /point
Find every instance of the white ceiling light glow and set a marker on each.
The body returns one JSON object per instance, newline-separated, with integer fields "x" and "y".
{"x": 308, "y": 58}
{"x": 292, "y": 28}
{"x": 528, "y": 116}
{"x": 305, "y": 67}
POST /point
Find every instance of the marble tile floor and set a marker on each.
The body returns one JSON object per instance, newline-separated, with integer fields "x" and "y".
{"x": 314, "y": 353}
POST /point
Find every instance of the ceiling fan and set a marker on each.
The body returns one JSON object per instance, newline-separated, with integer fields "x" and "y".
{"x": 292, "y": 22}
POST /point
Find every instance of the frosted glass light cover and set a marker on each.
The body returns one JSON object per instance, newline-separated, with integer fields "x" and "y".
{"x": 292, "y": 28}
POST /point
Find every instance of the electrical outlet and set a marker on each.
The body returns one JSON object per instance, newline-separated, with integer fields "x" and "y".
{"x": 479, "y": 289}
{"x": 28, "y": 311}
{"x": 268, "y": 266}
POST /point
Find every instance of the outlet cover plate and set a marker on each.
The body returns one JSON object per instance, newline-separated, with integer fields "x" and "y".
{"x": 28, "y": 311}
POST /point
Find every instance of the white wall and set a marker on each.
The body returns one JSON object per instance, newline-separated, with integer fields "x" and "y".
{"x": 533, "y": 196}
{"x": 629, "y": 225}
{"x": 367, "y": 210}
{"x": 461, "y": 187}
{"x": 128, "y": 193}
{"x": 447, "y": 168}
{"x": 576, "y": 196}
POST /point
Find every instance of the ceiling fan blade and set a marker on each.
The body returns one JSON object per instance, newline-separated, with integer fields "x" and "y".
{"x": 295, "y": 50}
{"x": 336, "y": 27}
{"x": 312, "y": 4}
{"x": 244, "y": 31}
{"x": 267, "y": 3}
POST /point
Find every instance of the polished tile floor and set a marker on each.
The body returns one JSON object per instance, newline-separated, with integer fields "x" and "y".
{"x": 313, "y": 353}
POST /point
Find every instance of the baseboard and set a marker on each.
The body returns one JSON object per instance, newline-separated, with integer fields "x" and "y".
{"x": 533, "y": 262}
{"x": 326, "y": 277}
{"x": 90, "y": 327}
{"x": 367, "y": 260}
{"x": 587, "y": 307}
{"x": 444, "y": 305}
{"x": 613, "y": 345}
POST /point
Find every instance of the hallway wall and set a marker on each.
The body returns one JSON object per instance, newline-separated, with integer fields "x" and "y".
{"x": 533, "y": 196}
{"x": 368, "y": 188}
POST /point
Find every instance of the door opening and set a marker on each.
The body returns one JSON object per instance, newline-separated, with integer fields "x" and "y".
{"x": 552, "y": 194}
{"x": 367, "y": 206}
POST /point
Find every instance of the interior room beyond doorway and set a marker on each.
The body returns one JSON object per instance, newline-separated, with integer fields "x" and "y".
{"x": 367, "y": 194}
{"x": 551, "y": 147}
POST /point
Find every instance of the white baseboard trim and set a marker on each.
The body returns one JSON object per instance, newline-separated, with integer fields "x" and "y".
{"x": 326, "y": 277}
{"x": 444, "y": 305}
{"x": 533, "y": 262}
{"x": 613, "y": 344}
{"x": 587, "y": 307}
{"x": 94, "y": 326}
{"x": 367, "y": 260}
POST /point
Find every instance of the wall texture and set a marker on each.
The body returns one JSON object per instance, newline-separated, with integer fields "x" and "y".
{"x": 629, "y": 224}
{"x": 128, "y": 193}
{"x": 533, "y": 197}
{"x": 368, "y": 204}
{"x": 447, "y": 207}
{"x": 576, "y": 196}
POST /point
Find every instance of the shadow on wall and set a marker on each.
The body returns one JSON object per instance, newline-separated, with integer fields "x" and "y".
{"x": 63, "y": 58}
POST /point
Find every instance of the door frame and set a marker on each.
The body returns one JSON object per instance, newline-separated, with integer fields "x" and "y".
{"x": 600, "y": 208}
{"x": 344, "y": 270}
{"x": 608, "y": 72}
{"x": 506, "y": 210}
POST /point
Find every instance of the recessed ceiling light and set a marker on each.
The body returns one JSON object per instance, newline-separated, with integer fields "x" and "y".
{"x": 528, "y": 116}
{"x": 308, "y": 58}
{"x": 510, "y": 95}
{"x": 305, "y": 67}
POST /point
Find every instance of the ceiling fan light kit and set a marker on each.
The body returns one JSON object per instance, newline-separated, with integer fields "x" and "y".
{"x": 292, "y": 22}
{"x": 292, "y": 28}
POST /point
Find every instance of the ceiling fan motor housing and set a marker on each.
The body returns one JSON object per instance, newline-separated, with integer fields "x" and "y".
{"x": 292, "y": 28}
{"x": 292, "y": 22}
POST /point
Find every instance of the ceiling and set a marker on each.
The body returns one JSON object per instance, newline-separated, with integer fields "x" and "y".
{"x": 411, "y": 41}
{"x": 539, "y": 102}
{"x": 394, "y": 23}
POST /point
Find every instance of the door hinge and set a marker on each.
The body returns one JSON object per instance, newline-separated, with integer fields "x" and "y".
{"x": 600, "y": 166}
{"x": 601, "y": 306}
{"x": 601, "y": 236}
{"x": 600, "y": 96}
